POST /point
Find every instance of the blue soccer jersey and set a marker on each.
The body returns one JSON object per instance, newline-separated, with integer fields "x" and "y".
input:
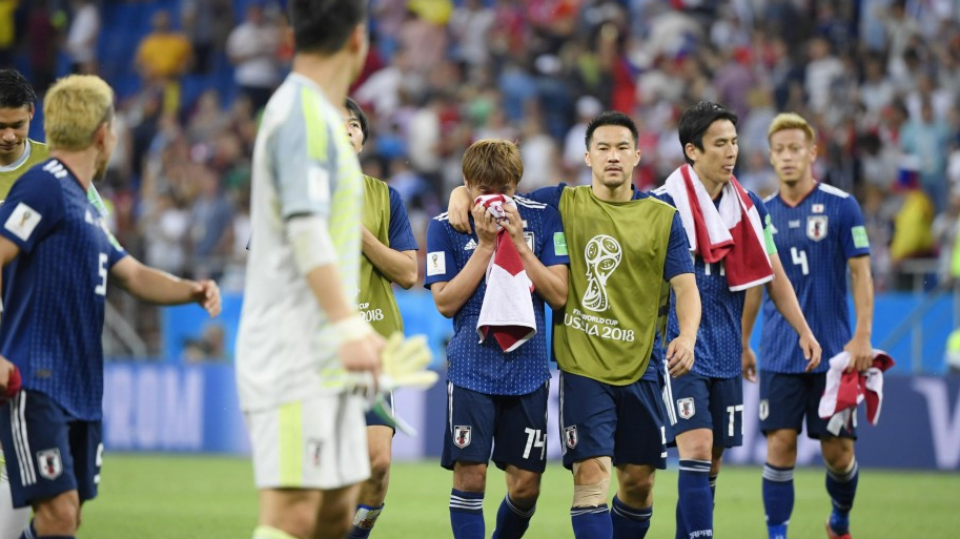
{"x": 484, "y": 367}
{"x": 676, "y": 263}
{"x": 719, "y": 349}
{"x": 400, "y": 234}
{"x": 816, "y": 238}
{"x": 54, "y": 290}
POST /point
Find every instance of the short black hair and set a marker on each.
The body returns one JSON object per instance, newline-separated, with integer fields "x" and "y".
{"x": 361, "y": 116}
{"x": 612, "y": 117}
{"x": 323, "y": 26}
{"x": 15, "y": 90}
{"x": 697, "y": 119}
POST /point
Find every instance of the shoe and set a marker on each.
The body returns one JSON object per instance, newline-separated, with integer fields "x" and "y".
{"x": 834, "y": 535}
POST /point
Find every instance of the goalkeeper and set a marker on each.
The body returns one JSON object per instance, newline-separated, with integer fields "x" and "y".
{"x": 389, "y": 256}
{"x": 493, "y": 395}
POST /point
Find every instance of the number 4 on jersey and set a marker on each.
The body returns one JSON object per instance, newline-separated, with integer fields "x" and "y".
{"x": 799, "y": 257}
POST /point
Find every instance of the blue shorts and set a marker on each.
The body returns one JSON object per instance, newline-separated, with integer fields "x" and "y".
{"x": 374, "y": 420}
{"x": 703, "y": 402}
{"x": 517, "y": 423}
{"x": 786, "y": 398}
{"x": 591, "y": 413}
{"x": 48, "y": 452}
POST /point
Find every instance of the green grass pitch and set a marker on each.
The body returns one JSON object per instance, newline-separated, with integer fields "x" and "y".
{"x": 173, "y": 497}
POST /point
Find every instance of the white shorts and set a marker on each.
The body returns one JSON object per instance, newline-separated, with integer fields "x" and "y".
{"x": 319, "y": 443}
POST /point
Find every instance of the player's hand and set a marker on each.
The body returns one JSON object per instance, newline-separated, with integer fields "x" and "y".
{"x": 9, "y": 379}
{"x": 513, "y": 224}
{"x": 749, "y": 365}
{"x": 861, "y": 353}
{"x": 486, "y": 226}
{"x": 680, "y": 356}
{"x": 207, "y": 294}
{"x": 811, "y": 350}
{"x": 458, "y": 209}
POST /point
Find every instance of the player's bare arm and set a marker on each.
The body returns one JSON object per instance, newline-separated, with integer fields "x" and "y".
{"x": 451, "y": 296}
{"x": 155, "y": 286}
{"x": 785, "y": 299}
{"x": 550, "y": 283}
{"x": 751, "y": 308}
{"x": 680, "y": 350}
{"x": 859, "y": 347}
{"x": 399, "y": 266}
{"x": 458, "y": 209}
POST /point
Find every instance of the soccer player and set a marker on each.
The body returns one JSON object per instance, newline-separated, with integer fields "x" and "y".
{"x": 709, "y": 401}
{"x": 822, "y": 229}
{"x": 495, "y": 399}
{"x": 389, "y": 256}
{"x": 300, "y": 330}
{"x": 56, "y": 254}
{"x": 628, "y": 251}
{"x": 18, "y": 154}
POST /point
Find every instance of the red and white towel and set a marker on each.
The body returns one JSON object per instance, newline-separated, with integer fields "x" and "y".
{"x": 731, "y": 233}
{"x": 846, "y": 390}
{"x": 507, "y": 310}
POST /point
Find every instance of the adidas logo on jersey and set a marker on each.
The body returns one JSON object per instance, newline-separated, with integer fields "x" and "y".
{"x": 471, "y": 245}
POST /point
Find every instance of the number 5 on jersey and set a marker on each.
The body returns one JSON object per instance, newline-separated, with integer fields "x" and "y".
{"x": 101, "y": 288}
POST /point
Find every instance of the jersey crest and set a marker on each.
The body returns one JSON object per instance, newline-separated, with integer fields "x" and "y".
{"x": 817, "y": 227}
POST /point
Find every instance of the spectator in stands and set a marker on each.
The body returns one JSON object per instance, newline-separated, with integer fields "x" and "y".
{"x": 42, "y": 44}
{"x": 252, "y": 48}
{"x": 83, "y": 35}
{"x": 8, "y": 33}
{"x": 163, "y": 57}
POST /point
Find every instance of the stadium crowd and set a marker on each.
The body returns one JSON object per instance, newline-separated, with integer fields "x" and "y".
{"x": 878, "y": 79}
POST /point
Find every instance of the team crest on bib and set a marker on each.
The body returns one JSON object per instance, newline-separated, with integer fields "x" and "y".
{"x": 462, "y": 436}
{"x": 570, "y": 436}
{"x": 686, "y": 408}
{"x": 817, "y": 227}
{"x": 49, "y": 463}
{"x": 764, "y": 409}
{"x": 314, "y": 450}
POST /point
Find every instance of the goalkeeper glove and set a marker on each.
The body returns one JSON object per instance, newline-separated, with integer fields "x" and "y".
{"x": 405, "y": 363}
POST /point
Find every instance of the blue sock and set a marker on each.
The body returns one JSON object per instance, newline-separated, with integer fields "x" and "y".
{"x": 591, "y": 522}
{"x": 842, "y": 487}
{"x": 694, "y": 491}
{"x": 364, "y": 521}
{"x": 31, "y": 533}
{"x": 466, "y": 515}
{"x": 629, "y": 522}
{"x": 777, "y": 499}
{"x": 512, "y": 521}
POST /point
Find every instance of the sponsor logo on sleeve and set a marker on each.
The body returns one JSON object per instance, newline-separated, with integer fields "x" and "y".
{"x": 860, "y": 239}
{"x": 436, "y": 263}
{"x": 23, "y": 221}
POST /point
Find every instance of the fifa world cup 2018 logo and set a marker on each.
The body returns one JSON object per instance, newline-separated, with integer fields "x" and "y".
{"x": 602, "y": 255}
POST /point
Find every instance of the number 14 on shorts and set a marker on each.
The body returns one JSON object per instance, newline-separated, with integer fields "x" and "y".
{"x": 535, "y": 439}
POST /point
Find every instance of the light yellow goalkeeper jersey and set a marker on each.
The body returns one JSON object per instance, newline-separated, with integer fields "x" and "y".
{"x": 303, "y": 164}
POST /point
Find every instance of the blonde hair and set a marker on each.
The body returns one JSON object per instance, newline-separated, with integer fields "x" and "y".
{"x": 494, "y": 164}
{"x": 791, "y": 120}
{"x": 73, "y": 110}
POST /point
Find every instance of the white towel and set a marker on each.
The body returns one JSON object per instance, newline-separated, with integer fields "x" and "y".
{"x": 846, "y": 390}
{"x": 719, "y": 233}
{"x": 507, "y": 309}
